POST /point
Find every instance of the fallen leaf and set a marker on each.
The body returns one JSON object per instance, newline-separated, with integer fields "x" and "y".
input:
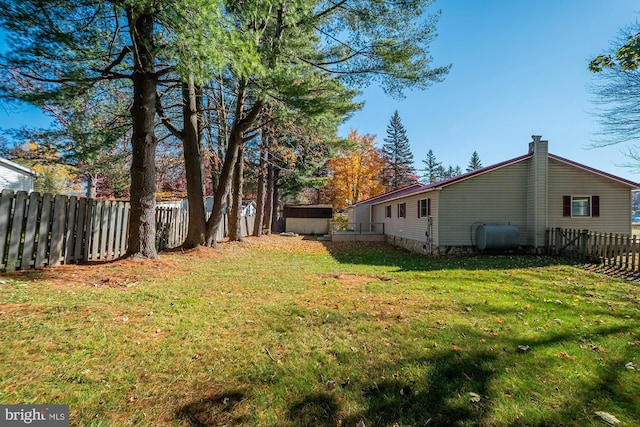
{"x": 566, "y": 355}
{"x": 474, "y": 397}
{"x": 610, "y": 419}
{"x": 523, "y": 348}
{"x": 631, "y": 366}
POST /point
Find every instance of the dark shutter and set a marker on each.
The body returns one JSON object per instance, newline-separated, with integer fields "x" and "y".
{"x": 429, "y": 206}
{"x": 566, "y": 205}
{"x": 595, "y": 205}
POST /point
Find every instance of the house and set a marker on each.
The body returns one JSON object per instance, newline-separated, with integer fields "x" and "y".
{"x": 508, "y": 205}
{"x": 307, "y": 219}
{"x": 248, "y": 206}
{"x": 16, "y": 177}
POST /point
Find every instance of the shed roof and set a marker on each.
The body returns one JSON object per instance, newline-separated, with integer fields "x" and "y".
{"x": 308, "y": 211}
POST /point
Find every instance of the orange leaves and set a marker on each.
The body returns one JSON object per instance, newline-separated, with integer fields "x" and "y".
{"x": 355, "y": 175}
{"x": 565, "y": 355}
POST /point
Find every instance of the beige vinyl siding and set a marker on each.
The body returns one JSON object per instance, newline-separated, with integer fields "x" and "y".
{"x": 411, "y": 227}
{"x": 363, "y": 214}
{"x": 307, "y": 225}
{"x": 495, "y": 197}
{"x": 537, "y": 198}
{"x": 615, "y": 199}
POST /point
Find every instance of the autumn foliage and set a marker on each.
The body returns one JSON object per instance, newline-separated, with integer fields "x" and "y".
{"x": 356, "y": 174}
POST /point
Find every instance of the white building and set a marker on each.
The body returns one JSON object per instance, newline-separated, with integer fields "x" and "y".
{"x": 16, "y": 177}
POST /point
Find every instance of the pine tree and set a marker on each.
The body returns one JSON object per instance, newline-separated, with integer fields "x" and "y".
{"x": 474, "y": 162}
{"x": 432, "y": 169}
{"x": 398, "y": 170}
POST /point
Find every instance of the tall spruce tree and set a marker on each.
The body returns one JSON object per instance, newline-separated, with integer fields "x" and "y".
{"x": 474, "y": 162}
{"x": 433, "y": 169}
{"x": 398, "y": 158}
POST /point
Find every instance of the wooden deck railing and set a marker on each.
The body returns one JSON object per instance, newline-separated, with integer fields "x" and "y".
{"x": 336, "y": 227}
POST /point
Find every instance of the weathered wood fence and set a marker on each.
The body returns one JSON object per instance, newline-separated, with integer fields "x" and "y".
{"x": 617, "y": 251}
{"x": 45, "y": 230}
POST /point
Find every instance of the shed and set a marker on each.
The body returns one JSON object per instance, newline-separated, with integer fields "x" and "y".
{"x": 14, "y": 176}
{"x": 307, "y": 219}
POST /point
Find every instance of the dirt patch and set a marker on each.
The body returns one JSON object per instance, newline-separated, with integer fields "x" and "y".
{"x": 129, "y": 272}
{"x": 117, "y": 273}
{"x": 352, "y": 279}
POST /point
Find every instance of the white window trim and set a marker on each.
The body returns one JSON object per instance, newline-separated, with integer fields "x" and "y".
{"x": 590, "y": 206}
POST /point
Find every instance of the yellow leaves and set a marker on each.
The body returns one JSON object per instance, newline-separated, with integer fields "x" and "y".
{"x": 355, "y": 176}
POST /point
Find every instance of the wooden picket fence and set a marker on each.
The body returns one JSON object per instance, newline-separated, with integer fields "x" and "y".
{"x": 46, "y": 230}
{"x": 611, "y": 250}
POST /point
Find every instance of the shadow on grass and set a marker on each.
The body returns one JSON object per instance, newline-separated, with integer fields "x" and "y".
{"x": 219, "y": 409}
{"x": 444, "y": 387}
{"x": 458, "y": 388}
{"x": 382, "y": 254}
{"x": 441, "y": 399}
{"x": 315, "y": 410}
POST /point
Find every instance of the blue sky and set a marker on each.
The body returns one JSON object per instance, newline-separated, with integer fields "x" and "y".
{"x": 519, "y": 69}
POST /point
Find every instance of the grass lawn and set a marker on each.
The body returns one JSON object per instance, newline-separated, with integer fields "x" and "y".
{"x": 288, "y": 332}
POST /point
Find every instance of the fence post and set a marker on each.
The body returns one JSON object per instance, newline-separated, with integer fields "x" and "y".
{"x": 583, "y": 250}
{"x": 558, "y": 241}
{"x": 19, "y": 206}
{"x": 28, "y": 251}
{"x": 632, "y": 253}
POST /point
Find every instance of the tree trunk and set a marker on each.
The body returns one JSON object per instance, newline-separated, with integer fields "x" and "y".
{"x": 275, "y": 228}
{"x": 224, "y": 186}
{"x": 142, "y": 225}
{"x": 241, "y": 123}
{"x": 194, "y": 164}
{"x": 235, "y": 214}
{"x": 92, "y": 186}
{"x": 260, "y": 202}
{"x": 268, "y": 207}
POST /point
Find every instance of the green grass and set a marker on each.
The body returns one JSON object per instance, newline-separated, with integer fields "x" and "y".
{"x": 284, "y": 332}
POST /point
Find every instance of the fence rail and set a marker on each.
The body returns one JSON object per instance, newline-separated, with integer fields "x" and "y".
{"x": 46, "y": 230}
{"x": 619, "y": 251}
{"x": 338, "y": 227}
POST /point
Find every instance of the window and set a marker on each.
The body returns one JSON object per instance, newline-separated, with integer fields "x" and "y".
{"x": 387, "y": 211}
{"x": 581, "y": 206}
{"x": 424, "y": 208}
{"x": 402, "y": 210}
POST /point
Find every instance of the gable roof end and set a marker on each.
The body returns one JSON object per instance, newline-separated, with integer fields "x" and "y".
{"x": 596, "y": 171}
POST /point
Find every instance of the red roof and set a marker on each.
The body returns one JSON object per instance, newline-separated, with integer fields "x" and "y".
{"x": 596, "y": 171}
{"x": 399, "y": 192}
{"x": 418, "y": 187}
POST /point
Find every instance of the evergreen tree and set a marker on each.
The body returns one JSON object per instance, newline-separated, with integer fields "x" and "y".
{"x": 474, "y": 162}
{"x": 451, "y": 172}
{"x": 398, "y": 168}
{"x": 432, "y": 169}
